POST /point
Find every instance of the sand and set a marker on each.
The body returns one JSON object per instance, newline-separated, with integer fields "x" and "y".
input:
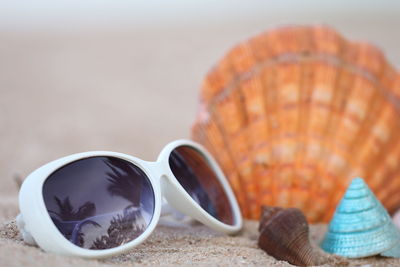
{"x": 172, "y": 245}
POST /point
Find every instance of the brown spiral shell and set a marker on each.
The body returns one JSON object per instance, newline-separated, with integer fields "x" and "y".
{"x": 284, "y": 235}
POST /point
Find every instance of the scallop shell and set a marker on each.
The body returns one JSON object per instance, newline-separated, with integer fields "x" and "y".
{"x": 292, "y": 114}
{"x": 284, "y": 235}
{"x": 361, "y": 226}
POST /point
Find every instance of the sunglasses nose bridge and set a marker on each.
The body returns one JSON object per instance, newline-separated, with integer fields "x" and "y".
{"x": 158, "y": 169}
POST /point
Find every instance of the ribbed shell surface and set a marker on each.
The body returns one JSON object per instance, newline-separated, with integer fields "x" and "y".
{"x": 293, "y": 114}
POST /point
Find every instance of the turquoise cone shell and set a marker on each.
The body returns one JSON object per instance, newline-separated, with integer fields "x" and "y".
{"x": 361, "y": 226}
{"x": 393, "y": 252}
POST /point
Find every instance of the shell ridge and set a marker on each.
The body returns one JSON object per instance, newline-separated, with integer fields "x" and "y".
{"x": 237, "y": 96}
{"x": 263, "y": 161}
{"x": 228, "y": 150}
{"x": 306, "y": 82}
{"x": 261, "y": 155}
{"x": 269, "y": 81}
{"x": 250, "y": 184}
{"x": 367, "y": 125}
{"x": 243, "y": 103}
{"x": 360, "y": 231}
{"x": 232, "y": 158}
{"x": 329, "y": 120}
{"x": 293, "y": 58}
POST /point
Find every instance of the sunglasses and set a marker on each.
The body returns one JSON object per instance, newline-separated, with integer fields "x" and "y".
{"x": 99, "y": 204}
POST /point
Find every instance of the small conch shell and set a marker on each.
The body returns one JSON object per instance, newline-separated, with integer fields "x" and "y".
{"x": 361, "y": 226}
{"x": 284, "y": 235}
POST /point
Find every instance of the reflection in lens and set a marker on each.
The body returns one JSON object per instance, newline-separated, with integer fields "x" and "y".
{"x": 199, "y": 180}
{"x": 99, "y": 202}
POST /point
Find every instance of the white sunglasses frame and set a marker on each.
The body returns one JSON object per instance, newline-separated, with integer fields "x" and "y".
{"x": 37, "y": 227}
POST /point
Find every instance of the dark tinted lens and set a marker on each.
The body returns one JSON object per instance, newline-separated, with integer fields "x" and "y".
{"x": 99, "y": 202}
{"x": 199, "y": 180}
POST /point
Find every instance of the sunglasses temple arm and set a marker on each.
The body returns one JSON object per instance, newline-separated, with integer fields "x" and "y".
{"x": 26, "y": 235}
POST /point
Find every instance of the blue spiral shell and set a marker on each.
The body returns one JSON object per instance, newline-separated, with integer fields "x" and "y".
{"x": 361, "y": 226}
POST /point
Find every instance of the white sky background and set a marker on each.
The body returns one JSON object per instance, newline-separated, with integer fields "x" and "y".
{"x": 99, "y": 13}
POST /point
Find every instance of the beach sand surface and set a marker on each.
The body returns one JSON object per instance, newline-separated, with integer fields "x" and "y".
{"x": 193, "y": 244}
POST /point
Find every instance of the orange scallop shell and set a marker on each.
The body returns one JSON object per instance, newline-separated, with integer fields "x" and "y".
{"x": 293, "y": 114}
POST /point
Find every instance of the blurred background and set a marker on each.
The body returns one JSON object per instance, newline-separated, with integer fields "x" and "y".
{"x": 124, "y": 75}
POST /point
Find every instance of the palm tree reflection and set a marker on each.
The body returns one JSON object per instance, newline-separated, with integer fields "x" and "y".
{"x": 122, "y": 180}
{"x": 126, "y": 227}
{"x": 69, "y": 220}
{"x": 123, "y": 228}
